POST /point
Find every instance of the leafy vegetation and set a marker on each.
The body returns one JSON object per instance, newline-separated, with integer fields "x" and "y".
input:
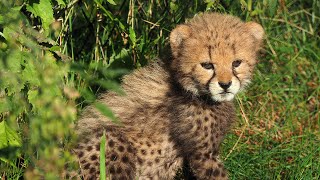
{"x": 57, "y": 55}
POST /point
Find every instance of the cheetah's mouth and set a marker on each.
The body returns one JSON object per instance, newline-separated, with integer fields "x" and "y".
{"x": 225, "y": 92}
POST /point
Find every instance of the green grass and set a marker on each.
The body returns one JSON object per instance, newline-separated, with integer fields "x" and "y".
{"x": 277, "y": 135}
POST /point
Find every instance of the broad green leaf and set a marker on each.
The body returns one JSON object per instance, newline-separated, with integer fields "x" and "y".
{"x": 8, "y": 33}
{"x": 43, "y": 9}
{"x": 132, "y": 36}
{"x": 4, "y": 105}
{"x": 32, "y": 97}
{"x": 30, "y": 74}
{"x": 103, "y": 156}
{"x": 111, "y": 2}
{"x": 106, "y": 111}
{"x": 8, "y": 136}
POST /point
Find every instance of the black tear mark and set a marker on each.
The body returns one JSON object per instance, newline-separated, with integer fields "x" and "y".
{"x": 233, "y": 49}
{"x": 209, "y": 51}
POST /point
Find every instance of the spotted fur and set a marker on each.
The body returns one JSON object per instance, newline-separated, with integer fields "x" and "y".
{"x": 178, "y": 112}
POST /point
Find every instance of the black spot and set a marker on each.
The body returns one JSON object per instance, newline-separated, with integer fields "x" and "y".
{"x": 152, "y": 152}
{"x": 99, "y": 135}
{"x": 121, "y": 148}
{"x": 128, "y": 171}
{"x": 98, "y": 147}
{"x": 205, "y": 144}
{"x": 197, "y": 157}
{"x": 92, "y": 170}
{"x": 140, "y": 161}
{"x": 198, "y": 128}
{"x": 206, "y": 134}
{"x": 122, "y": 178}
{"x": 196, "y": 133}
{"x": 214, "y": 159}
{"x": 159, "y": 151}
{"x": 212, "y": 125}
{"x": 119, "y": 170}
{"x": 216, "y": 172}
{"x": 83, "y": 161}
{"x": 148, "y": 144}
{"x": 130, "y": 149}
{"x": 208, "y": 172}
{"x": 144, "y": 152}
{"x": 209, "y": 49}
{"x": 114, "y": 157}
{"x": 206, "y": 119}
{"x": 233, "y": 49}
{"x": 157, "y": 160}
{"x": 223, "y": 174}
{"x": 89, "y": 148}
{"x": 93, "y": 157}
{"x": 79, "y": 146}
{"x": 149, "y": 163}
{"x": 80, "y": 154}
{"x": 86, "y": 166}
{"x": 199, "y": 122}
{"x": 112, "y": 170}
{"x": 121, "y": 139}
{"x": 207, "y": 155}
{"x": 206, "y": 128}
{"x": 125, "y": 159}
{"x": 111, "y": 143}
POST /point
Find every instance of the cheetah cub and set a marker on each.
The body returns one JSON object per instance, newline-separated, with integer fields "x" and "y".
{"x": 178, "y": 112}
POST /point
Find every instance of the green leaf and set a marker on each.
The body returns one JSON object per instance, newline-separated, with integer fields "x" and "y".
{"x": 132, "y": 36}
{"x": 43, "y": 9}
{"x": 108, "y": 13}
{"x": 8, "y": 33}
{"x": 111, "y": 2}
{"x": 1, "y": 19}
{"x": 103, "y": 156}
{"x": 8, "y": 136}
{"x": 30, "y": 74}
{"x": 272, "y": 7}
{"x": 4, "y": 105}
{"x": 61, "y": 2}
{"x": 32, "y": 97}
{"x": 106, "y": 112}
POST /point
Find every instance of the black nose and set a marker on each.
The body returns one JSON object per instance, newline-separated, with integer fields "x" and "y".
{"x": 225, "y": 86}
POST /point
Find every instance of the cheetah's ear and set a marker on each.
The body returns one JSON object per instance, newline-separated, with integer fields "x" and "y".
{"x": 179, "y": 34}
{"x": 256, "y": 30}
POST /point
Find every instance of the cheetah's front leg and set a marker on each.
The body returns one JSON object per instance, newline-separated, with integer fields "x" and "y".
{"x": 207, "y": 166}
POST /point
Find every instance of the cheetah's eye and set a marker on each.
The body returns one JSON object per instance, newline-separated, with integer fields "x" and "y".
{"x": 207, "y": 65}
{"x": 236, "y": 63}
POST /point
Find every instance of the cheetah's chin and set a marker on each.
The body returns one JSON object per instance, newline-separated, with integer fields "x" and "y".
{"x": 223, "y": 97}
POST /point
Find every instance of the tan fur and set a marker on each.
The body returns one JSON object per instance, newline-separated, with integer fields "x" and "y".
{"x": 175, "y": 113}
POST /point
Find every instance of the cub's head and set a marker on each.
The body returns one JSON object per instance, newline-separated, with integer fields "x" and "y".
{"x": 214, "y": 55}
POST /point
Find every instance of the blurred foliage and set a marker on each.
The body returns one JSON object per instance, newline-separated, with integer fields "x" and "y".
{"x": 57, "y": 55}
